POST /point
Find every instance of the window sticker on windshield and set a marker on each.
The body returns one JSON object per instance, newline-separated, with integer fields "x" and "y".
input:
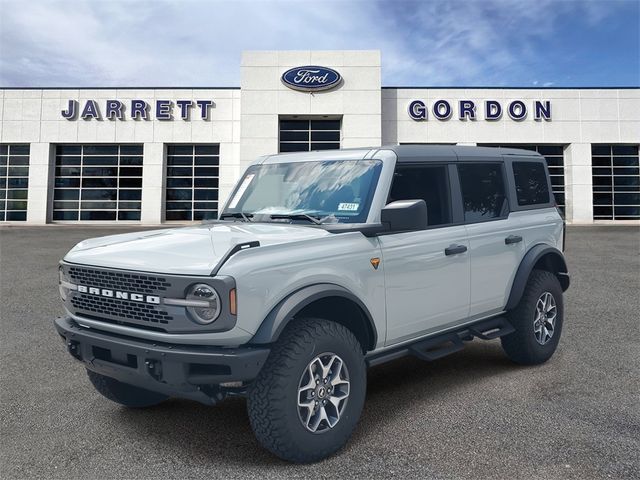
{"x": 243, "y": 188}
{"x": 348, "y": 207}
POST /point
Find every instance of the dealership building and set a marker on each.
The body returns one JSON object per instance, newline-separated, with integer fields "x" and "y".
{"x": 158, "y": 155}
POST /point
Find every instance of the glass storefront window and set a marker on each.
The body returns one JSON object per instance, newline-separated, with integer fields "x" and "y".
{"x": 616, "y": 182}
{"x": 14, "y": 182}
{"x": 98, "y": 183}
{"x": 192, "y": 182}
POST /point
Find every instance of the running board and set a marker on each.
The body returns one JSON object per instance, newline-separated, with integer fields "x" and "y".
{"x": 444, "y": 344}
{"x": 492, "y": 328}
{"x": 437, "y": 347}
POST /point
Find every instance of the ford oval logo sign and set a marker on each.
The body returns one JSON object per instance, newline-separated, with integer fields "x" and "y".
{"x": 311, "y": 78}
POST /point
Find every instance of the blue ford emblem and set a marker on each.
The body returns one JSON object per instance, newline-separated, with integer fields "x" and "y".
{"x": 311, "y": 78}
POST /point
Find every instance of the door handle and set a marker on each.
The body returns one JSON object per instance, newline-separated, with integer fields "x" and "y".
{"x": 512, "y": 239}
{"x": 455, "y": 249}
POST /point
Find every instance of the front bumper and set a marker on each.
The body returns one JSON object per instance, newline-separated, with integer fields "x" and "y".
{"x": 186, "y": 371}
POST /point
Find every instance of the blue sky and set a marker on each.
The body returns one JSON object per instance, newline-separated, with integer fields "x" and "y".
{"x": 429, "y": 43}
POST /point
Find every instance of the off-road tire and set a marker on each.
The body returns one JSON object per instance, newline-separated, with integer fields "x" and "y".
{"x": 123, "y": 393}
{"x": 272, "y": 397}
{"x": 522, "y": 346}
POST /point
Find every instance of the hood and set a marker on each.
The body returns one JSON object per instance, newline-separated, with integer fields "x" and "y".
{"x": 184, "y": 251}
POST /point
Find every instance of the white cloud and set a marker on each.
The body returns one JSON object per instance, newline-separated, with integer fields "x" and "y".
{"x": 198, "y": 43}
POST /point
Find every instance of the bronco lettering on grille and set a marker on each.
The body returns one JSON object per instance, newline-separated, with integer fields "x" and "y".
{"x": 105, "y": 292}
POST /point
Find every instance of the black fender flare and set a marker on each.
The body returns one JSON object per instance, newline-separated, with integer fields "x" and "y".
{"x": 531, "y": 258}
{"x": 278, "y": 318}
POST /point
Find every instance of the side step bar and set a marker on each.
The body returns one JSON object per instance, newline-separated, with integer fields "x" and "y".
{"x": 444, "y": 344}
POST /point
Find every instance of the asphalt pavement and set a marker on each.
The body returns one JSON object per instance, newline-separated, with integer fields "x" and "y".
{"x": 470, "y": 415}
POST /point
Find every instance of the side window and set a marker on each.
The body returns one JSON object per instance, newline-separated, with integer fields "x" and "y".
{"x": 531, "y": 183}
{"x": 483, "y": 192}
{"x": 427, "y": 182}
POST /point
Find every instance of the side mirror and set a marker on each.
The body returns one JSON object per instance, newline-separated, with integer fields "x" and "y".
{"x": 405, "y": 216}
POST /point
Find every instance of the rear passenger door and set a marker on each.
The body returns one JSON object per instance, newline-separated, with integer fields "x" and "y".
{"x": 534, "y": 206}
{"x": 426, "y": 281}
{"x": 496, "y": 244}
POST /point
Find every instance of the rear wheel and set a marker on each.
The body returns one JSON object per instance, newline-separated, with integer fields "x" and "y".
{"x": 537, "y": 319}
{"x": 306, "y": 401}
{"x": 123, "y": 393}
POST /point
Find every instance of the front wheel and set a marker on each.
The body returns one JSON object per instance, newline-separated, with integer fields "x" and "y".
{"x": 537, "y": 319}
{"x": 309, "y": 395}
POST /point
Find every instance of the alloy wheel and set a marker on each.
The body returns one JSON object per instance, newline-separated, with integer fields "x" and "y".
{"x": 323, "y": 392}
{"x": 544, "y": 322}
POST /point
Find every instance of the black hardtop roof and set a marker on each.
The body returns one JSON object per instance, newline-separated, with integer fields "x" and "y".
{"x": 406, "y": 153}
{"x": 412, "y": 153}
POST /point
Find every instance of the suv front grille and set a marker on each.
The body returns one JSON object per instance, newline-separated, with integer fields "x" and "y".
{"x": 133, "y": 299}
{"x": 130, "y": 282}
{"x": 124, "y": 309}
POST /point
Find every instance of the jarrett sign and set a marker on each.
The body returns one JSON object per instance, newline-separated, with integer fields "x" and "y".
{"x": 137, "y": 109}
{"x": 490, "y": 110}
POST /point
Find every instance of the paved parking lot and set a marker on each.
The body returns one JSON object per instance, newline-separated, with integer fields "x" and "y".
{"x": 471, "y": 415}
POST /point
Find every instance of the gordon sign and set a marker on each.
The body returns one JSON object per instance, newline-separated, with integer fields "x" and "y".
{"x": 137, "y": 109}
{"x": 490, "y": 110}
{"x": 311, "y": 78}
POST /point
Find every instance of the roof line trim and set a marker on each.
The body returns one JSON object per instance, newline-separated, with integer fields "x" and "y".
{"x": 119, "y": 88}
{"x": 383, "y": 88}
{"x": 510, "y": 88}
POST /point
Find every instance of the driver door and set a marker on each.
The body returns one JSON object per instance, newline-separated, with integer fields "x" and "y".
{"x": 426, "y": 272}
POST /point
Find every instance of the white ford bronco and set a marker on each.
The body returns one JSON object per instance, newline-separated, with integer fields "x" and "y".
{"x": 320, "y": 265}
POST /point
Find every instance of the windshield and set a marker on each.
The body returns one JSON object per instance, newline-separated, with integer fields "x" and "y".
{"x": 324, "y": 191}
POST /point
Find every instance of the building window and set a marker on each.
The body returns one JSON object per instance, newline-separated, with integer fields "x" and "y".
{"x": 554, "y": 155}
{"x": 616, "y": 182}
{"x": 192, "y": 182}
{"x": 98, "y": 182}
{"x": 14, "y": 182}
{"x": 308, "y": 135}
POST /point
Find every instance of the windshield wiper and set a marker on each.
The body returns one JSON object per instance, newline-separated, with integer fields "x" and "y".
{"x": 244, "y": 216}
{"x": 297, "y": 216}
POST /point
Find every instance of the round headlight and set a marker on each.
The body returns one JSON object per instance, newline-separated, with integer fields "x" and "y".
{"x": 210, "y": 299}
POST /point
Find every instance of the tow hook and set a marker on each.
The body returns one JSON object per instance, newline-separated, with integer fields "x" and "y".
{"x": 74, "y": 349}
{"x": 154, "y": 368}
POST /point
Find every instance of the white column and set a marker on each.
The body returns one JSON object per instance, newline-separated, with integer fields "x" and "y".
{"x": 153, "y": 181}
{"x": 578, "y": 183}
{"x": 41, "y": 179}
{"x": 229, "y": 171}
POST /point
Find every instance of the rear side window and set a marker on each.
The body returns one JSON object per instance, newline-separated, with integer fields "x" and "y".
{"x": 483, "y": 191}
{"x": 532, "y": 187}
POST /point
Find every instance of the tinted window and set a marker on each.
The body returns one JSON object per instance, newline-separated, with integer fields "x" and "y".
{"x": 306, "y": 135}
{"x": 192, "y": 174}
{"x": 14, "y": 181}
{"x": 554, "y": 155}
{"x": 616, "y": 182}
{"x": 483, "y": 191}
{"x": 429, "y": 183}
{"x": 102, "y": 178}
{"x": 531, "y": 183}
